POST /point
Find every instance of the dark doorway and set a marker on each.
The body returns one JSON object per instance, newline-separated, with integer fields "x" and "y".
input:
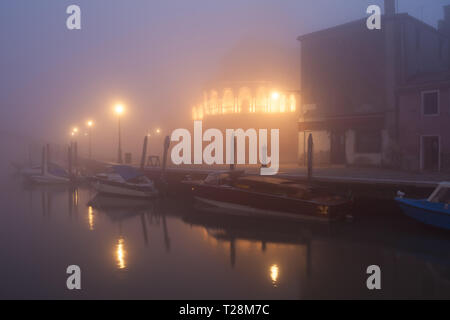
{"x": 337, "y": 148}
{"x": 430, "y": 153}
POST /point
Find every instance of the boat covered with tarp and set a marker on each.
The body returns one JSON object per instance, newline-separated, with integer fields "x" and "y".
{"x": 124, "y": 181}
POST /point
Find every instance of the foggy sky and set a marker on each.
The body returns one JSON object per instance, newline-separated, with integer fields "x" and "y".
{"x": 154, "y": 56}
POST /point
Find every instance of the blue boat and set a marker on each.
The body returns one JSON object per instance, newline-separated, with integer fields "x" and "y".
{"x": 434, "y": 211}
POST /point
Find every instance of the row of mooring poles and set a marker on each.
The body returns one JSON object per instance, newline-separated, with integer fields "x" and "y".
{"x": 166, "y": 145}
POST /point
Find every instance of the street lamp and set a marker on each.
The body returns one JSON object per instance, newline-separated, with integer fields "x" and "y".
{"x": 74, "y": 132}
{"x": 119, "y": 109}
{"x": 275, "y": 95}
{"x": 90, "y": 124}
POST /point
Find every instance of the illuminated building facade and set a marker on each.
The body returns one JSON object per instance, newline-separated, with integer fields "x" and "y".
{"x": 258, "y": 105}
{"x": 259, "y": 97}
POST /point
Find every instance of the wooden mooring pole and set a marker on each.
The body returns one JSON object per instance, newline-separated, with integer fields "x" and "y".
{"x": 164, "y": 164}
{"x": 69, "y": 155}
{"x": 43, "y": 161}
{"x": 310, "y": 156}
{"x": 144, "y": 152}
{"x": 234, "y": 155}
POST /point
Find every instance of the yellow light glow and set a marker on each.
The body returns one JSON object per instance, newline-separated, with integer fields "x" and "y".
{"x": 244, "y": 100}
{"x": 119, "y": 109}
{"x": 91, "y": 218}
{"x": 120, "y": 254}
{"x": 274, "y": 271}
{"x": 75, "y": 130}
{"x": 90, "y": 123}
{"x": 275, "y": 95}
{"x": 72, "y": 133}
{"x": 158, "y": 130}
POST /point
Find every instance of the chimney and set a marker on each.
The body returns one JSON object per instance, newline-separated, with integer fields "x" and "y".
{"x": 447, "y": 13}
{"x": 444, "y": 25}
{"x": 389, "y": 7}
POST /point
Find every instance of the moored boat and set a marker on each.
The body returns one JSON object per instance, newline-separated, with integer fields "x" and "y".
{"x": 267, "y": 196}
{"x": 124, "y": 181}
{"x": 48, "y": 173}
{"x": 434, "y": 211}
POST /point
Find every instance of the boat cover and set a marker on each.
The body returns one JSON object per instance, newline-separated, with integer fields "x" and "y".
{"x": 126, "y": 172}
{"x": 57, "y": 170}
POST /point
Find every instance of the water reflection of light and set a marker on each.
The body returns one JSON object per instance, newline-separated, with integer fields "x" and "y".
{"x": 91, "y": 218}
{"x": 274, "y": 270}
{"x": 120, "y": 254}
{"x": 75, "y": 197}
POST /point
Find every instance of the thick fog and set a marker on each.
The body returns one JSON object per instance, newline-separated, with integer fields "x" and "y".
{"x": 155, "y": 57}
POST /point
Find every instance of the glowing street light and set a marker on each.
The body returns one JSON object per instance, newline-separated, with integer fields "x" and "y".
{"x": 158, "y": 130}
{"x": 275, "y": 95}
{"x": 119, "y": 110}
{"x": 74, "y": 132}
{"x": 90, "y": 124}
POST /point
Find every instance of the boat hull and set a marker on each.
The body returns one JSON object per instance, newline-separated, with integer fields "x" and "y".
{"x": 124, "y": 190}
{"x": 239, "y": 201}
{"x": 49, "y": 179}
{"x": 432, "y": 214}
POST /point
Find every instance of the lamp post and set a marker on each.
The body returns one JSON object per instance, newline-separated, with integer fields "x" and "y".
{"x": 74, "y": 148}
{"x": 74, "y": 133}
{"x": 119, "y": 109}
{"x": 90, "y": 124}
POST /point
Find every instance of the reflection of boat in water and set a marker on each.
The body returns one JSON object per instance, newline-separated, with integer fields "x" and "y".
{"x": 434, "y": 211}
{"x": 120, "y": 210}
{"x": 124, "y": 181}
{"x": 110, "y": 202}
{"x": 268, "y": 196}
{"x": 332, "y": 256}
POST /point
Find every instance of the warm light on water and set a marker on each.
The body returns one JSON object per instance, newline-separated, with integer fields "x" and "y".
{"x": 172, "y": 256}
{"x": 120, "y": 254}
{"x": 274, "y": 270}
{"x": 91, "y": 218}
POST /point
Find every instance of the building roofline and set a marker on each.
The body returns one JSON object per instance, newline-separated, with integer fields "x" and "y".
{"x": 426, "y": 80}
{"x": 397, "y": 16}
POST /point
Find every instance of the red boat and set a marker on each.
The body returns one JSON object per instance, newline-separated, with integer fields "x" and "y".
{"x": 267, "y": 196}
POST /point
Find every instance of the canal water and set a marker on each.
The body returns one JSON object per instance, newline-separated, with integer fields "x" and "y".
{"x": 166, "y": 249}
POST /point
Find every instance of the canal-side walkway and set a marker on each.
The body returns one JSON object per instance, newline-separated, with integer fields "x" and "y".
{"x": 343, "y": 174}
{"x": 367, "y": 175}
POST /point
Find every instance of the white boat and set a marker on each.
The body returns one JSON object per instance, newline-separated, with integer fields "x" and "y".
{"x": 49, "y": 179}
{"x": 124, "y": 181}
{"x": 30, "y": 171}
{"x": 47, "y": 173}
